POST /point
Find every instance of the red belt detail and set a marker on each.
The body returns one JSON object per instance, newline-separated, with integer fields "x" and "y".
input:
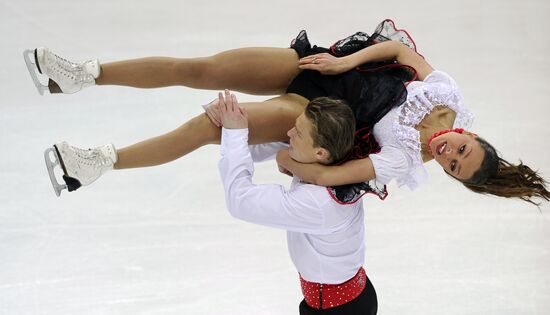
{"x": 324, "y": 296}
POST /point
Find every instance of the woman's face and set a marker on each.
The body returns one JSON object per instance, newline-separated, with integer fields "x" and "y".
{"x": 460, "y": 154}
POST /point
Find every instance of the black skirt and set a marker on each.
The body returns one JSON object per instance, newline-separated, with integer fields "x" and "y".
{"x": 371, "y": 90}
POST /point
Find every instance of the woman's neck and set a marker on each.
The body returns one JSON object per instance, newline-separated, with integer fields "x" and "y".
{"x": 440, "y": 118}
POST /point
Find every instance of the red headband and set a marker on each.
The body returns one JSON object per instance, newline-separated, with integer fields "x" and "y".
{"x": 439, "y": 133}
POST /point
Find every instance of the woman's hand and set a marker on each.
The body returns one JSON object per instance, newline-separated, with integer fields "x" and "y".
{"x": 285, "y": 163}
{"x": 283, "y": 156}
{"x": 232, "y": 116}
{"x": 285, "y": 171}
{"x": 212, "y": 110}
{"x": 325, "y": 63}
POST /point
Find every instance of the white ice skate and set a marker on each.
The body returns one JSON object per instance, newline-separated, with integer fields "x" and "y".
{"x": 63, "y": 76}
{"x": 80, "y": 167}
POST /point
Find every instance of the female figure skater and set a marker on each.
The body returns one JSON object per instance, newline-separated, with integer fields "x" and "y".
{"x": 423, "y": 119}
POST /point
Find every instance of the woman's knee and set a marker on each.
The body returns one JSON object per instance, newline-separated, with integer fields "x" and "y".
{"x": 201, "y": 129}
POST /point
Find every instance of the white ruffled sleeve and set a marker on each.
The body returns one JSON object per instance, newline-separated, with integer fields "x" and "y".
{"x": 444, "y": 90}
{"x": 438, "y": 76}
{"x": 389, "y": 163}
{"x": 439, "y": 89}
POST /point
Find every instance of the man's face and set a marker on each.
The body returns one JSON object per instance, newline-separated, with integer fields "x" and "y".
{"x": 301, "y": 147}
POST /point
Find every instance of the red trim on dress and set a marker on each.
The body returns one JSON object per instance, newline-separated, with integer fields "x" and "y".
{"x": 408, "y": 35}
{"x": 354, "y": 155}
{"x": 382, "y": 197}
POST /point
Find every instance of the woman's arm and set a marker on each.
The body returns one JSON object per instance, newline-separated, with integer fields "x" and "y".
{"x": 389, "y": 50}
{"x": 355, "y": 171}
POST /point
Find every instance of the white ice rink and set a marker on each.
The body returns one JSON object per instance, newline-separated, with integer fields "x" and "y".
{"x": 160, "y": 241}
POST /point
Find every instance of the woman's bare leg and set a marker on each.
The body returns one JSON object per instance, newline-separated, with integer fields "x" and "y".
{"x": 268, "y": 121}
{"x": 261, "y": 71}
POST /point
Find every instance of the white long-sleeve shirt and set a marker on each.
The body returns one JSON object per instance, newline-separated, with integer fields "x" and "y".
{"x": 325, "y": 238}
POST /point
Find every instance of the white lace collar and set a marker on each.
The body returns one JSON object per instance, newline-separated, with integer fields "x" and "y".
{"x": 420, "y": 101}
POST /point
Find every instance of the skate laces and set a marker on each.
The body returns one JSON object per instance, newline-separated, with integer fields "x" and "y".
{"x": 91, "y": 158}
{"x": 70, "y": 69}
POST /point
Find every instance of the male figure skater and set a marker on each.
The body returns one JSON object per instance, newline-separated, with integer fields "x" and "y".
{"x": 325, "y": 237}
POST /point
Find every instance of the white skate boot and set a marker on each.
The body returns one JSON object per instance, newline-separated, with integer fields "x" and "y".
{"x": 80, "y": 167}
{"x": 63, "y": 76}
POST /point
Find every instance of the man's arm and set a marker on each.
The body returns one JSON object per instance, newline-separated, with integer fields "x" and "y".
{"x": 271, "y": 205}
{"x": 268, "y": 204}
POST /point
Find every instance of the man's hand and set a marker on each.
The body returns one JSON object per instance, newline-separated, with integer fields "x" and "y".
{"x": 232, "y": 116}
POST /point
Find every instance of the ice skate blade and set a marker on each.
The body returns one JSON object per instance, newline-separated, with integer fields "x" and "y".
{"x": 33, "y": 70}
{"x": 50, "y": 166}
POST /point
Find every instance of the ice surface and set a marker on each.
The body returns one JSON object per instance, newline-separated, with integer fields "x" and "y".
{"x": 159, "y": 240}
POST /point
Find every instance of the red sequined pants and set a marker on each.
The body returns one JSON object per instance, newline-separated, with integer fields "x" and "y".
{"x": 325, "y": 296}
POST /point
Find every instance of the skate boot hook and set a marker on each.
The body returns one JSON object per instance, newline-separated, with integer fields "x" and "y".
{"x": 63, "y": 76}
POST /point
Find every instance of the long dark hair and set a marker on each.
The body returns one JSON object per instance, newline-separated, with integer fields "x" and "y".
{"x": 499, "y": 177}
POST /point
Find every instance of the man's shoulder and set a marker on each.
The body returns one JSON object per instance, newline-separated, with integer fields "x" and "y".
{"x": 321, "y": 195}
